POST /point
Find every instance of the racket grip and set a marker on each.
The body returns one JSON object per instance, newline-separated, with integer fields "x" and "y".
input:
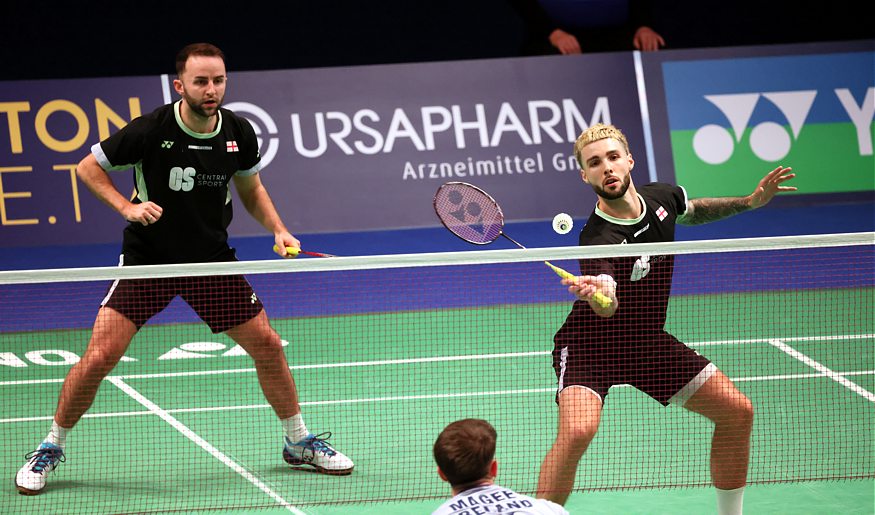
{"x": 294, "y": 252}
{"x": 291, "y": 251}
{"x": 600, "y": 298}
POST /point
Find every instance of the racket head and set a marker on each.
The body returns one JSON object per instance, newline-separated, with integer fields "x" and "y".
{"x": 468, "y": 212}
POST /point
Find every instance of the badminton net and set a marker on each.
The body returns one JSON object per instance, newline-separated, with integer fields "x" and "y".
{"x": 387, "y": 350}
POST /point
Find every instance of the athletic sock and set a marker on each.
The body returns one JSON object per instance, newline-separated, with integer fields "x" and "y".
{"x": 729, "y": 502}
{"x": 57, "y": 435}
{"x": 295, "y": 428}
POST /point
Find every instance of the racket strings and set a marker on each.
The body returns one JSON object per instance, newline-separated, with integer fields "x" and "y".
{"x": 469, "y": 212}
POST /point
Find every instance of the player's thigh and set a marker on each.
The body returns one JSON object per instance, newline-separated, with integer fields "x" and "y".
{"x": 110, "y": 337}
{"x": 256, "y": 336}
{"x": 720, "y": 400}
{"x": 580, "y": 411}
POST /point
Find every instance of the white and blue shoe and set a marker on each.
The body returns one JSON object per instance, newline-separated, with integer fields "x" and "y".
{"x": 315, "y": 451}
{"x": 31, "y": 478}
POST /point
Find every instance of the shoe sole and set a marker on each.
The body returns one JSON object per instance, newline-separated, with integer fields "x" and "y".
{"x": 25, "y": 491}
{"x": 320, "y": 470}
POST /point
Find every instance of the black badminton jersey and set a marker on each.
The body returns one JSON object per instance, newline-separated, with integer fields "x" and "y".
{"x": 187, "y": 174}
{"x": 643, "y": 282}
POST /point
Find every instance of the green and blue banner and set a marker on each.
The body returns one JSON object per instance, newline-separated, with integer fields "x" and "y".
{"x": 732, "y": 119}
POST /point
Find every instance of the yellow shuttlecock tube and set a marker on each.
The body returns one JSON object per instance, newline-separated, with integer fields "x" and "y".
{"x": 600, "y": 298}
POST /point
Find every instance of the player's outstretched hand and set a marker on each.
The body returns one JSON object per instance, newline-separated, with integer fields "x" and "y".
{"x": 771, "y": 186}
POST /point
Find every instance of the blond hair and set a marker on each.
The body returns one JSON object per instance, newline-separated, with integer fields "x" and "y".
{"x": 595, "y": 133}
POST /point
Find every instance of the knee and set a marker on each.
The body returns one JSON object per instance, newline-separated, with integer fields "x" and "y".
{"x": 578, "y": 438}
{"x": 739, "y": 414}
{"x": 97, "y": 364}
{"x": 268, "y": 347}
{"x": 744, "y": 412}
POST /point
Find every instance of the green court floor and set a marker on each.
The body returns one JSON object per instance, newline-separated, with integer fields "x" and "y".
{"x": 181, "y": 425}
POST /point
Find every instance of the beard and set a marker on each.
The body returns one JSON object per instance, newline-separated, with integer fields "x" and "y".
{"x": 198, "y": 107}
{"x": 614, "y": 196}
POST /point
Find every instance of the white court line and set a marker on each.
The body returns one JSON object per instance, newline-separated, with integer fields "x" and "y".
{"x": 191, "y": 435}
{"x": 435, "y": 359}
{"x": 436, "y": 396}
{"x": 839, "y": 378}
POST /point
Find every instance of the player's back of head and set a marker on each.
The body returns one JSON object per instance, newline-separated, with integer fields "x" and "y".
{"x": 464, "y": 450}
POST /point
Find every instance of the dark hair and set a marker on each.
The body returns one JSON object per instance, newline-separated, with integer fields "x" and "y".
{"x": 464, "y": 450}
{"x": 204, "y": 49}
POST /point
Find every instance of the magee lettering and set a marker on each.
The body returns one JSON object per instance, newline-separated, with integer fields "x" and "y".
{"x": 503, "y": 501}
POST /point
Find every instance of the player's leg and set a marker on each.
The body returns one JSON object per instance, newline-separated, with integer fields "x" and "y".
{"x": 579, "y": 415}
{"x": 110, "y": 338}
{"x": 301, "y": 447}
{"x": 228, "y": 304}
{"x": 732, "y": 414}
{"x": 264, "y": 346}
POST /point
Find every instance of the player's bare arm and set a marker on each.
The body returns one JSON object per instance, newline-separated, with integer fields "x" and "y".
{"x": 101, "y": 185}
{"x": 704, "y": 210}
{"x": 257, "y": 202}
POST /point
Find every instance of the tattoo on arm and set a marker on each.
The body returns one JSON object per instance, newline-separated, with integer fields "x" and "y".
{"x": 704, "y": 210}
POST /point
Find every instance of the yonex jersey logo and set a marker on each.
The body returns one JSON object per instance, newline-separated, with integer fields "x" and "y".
{"x": 640, "y": 269}
{"x": 166, "y": 144}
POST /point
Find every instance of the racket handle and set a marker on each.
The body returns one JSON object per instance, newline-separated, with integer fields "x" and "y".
{"x": 600, "y": 298}
{"x": 293, "y": 252}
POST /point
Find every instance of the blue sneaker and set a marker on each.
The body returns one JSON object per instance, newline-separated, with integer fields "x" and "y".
{"x": 31, "y": 478}
{"x": 315, "y": 451}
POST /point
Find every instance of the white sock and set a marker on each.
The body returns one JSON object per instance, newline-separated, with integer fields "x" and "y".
{"x": 58, "y": 435}
{"x": 729, "y": 502}
{"x": 295, "y": 428}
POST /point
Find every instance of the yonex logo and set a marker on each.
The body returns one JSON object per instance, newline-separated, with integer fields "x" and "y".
{"x": 640, "y": 269}
{"x": 166, "y": 144}
{"x": 769, "y": 140}
{"x": 253, "y": 299}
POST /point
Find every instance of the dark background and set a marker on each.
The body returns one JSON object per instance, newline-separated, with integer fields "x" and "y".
{"x": 102, "y": 38}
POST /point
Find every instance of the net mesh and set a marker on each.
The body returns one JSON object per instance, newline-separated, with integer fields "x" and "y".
{"x": 387, "y": 350}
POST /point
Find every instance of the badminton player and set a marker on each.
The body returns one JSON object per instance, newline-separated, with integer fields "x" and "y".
{"x": 625, "y": 342}
{"x": 465, "y": 455}
{"x": 184, "y": 155}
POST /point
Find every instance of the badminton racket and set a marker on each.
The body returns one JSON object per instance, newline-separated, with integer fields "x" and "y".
{"x": 293, "y": 252}
{"x": 473, "y": 215}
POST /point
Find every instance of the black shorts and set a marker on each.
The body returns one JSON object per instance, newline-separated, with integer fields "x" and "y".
{"x": 223, "y": 302}
{"x": 658, "y": 364}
